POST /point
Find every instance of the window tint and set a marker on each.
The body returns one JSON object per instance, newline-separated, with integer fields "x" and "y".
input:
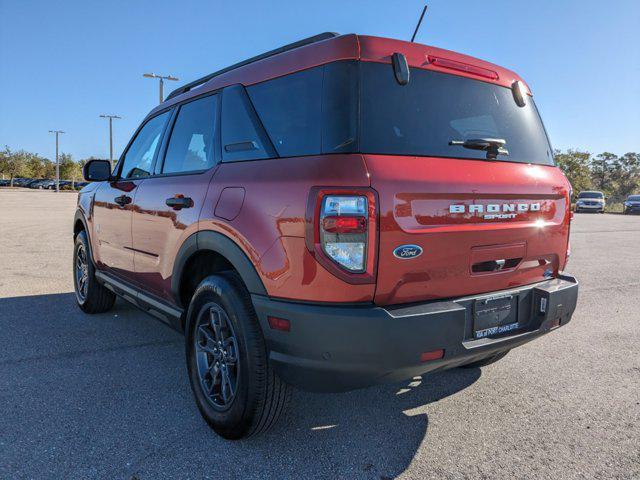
{"x": 191, "y": 145}
{"x": 422, "y": 117}
{"x": 243, "y": 137}
{"x": 340, "y": 107}
{"x": 139, "y": 157}
{"x": 290, "y": 110}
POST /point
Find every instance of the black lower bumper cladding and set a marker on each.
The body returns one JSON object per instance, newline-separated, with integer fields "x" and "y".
{"x": 338, "y": 348}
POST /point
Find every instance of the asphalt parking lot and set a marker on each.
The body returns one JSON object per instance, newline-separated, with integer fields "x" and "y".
{"x": 107, "y": 396}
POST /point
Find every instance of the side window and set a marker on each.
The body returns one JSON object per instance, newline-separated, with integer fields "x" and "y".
{"x": 191, "y": 146}
{"x": 139, "y": 157}
{"x": 290, "y": 108}
{"x": 243, "y": 137}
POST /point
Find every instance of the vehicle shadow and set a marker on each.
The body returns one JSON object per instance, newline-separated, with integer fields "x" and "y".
{"x": 106, "y": 396}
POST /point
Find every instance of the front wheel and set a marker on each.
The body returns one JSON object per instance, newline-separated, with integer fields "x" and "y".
{"x": 90, "y": 295}
{"x": 236, "y": 391}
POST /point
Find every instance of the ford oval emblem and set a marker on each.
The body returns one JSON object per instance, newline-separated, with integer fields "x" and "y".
{"x": 406, "y": 252}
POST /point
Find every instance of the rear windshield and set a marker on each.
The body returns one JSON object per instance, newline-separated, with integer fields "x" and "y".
{"x": 590, "y": 195}
{"x": 358, "y": 107}
{"x": 422, "y": 117}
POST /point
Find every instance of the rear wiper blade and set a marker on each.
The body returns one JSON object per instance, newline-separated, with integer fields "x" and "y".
{"x": 493, "y": 146}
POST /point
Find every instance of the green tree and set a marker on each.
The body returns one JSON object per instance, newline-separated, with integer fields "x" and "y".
{"x": 69, "y": 168}
{"x": 12, "y": 163}
{"x": 603, "y": 172}
{"x": 575, "y": 165}
{"x": 4, "y": 161}
{"x": 626, "y": 174}
{"x": 35, "y": 166}
{"x": 49, "y": 169}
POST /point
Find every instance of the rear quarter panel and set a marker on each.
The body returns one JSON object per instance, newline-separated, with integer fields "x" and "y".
{"x": 270, "y": 227}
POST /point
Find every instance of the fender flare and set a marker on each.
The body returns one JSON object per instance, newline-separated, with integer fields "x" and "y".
{"x": 80, "y": 216}
{"x": 208, "y": 240}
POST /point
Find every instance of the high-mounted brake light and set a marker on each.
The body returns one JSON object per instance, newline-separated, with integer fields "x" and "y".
{"x": 462, "y": 67}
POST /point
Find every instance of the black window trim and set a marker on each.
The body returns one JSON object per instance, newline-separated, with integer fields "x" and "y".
{"x": 162, "y": 152}
{"x": 120, "y": 164}
{"x": 166, "y": 134}
{"x": 255, "y": 119}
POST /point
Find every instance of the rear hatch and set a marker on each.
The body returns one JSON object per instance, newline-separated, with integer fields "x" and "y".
{"x": 455, "y": 210}
{"x": 484, "y": 219}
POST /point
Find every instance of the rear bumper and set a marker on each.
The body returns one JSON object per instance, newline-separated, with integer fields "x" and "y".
{"x": 340, "y": 348}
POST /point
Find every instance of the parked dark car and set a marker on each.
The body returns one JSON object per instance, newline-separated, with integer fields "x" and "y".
{"x": 46, "y": 184}
{"x": 632, "y": 204}
{"x": 4, "y": 183}
{"x": 21, "y": 182}
{"x": 38, "y": 184}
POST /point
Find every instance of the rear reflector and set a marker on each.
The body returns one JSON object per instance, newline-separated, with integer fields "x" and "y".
{"x": 433, "y": 355}
{"x": 279, "y": 324}
{"x": 463, "y": 67}
{"x": 344, "y": 224}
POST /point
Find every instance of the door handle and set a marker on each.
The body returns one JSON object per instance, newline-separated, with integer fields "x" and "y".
{"x": 179, "y": 202}
{"x": 122, "y": 200}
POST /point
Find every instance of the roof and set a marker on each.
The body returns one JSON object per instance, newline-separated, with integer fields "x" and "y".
{"x": 325, "y": 48}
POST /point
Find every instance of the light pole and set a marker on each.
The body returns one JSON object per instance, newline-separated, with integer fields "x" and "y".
{"x": 162, "y": 79}
{"x": 57, "y": 132}
{"x": 110, "y": 117}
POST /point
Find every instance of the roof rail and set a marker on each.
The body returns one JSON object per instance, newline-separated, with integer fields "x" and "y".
{"x": 291, "y": 46}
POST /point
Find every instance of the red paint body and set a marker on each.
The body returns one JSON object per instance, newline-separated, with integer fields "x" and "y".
{"x": 263, "y": 207}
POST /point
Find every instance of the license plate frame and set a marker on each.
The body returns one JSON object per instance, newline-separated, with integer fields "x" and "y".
{"x": 493, "y": 316}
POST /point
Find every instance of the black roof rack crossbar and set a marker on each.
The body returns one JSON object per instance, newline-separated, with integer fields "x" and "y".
{"x": 291, "y": 46}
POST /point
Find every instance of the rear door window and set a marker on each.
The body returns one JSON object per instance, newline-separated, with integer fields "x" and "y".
{"x": 192, "y": 143}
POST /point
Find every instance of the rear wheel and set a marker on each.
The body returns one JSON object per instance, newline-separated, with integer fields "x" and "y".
{"x": 236, "y": 391}
{"x": 90, "y": 295}
{"x": 485, "y": 361}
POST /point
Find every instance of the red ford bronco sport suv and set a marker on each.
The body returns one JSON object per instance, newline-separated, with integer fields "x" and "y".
{"x": 337, "y": 213}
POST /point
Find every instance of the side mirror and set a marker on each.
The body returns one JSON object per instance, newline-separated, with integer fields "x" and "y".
{"x": 97, "y": 170}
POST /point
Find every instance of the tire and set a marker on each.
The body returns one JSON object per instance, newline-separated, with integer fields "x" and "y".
{"x": 90, "y": 295}
{"x": 236, "y": 391}
{"x": 485, "y": 361}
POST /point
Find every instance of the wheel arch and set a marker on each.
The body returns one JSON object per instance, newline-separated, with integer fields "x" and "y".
{"x": 80, "y": 224}
{"x": 202, "y": 242}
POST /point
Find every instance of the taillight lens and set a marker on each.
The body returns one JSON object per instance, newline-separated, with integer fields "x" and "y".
{"x": 343, "y": 230}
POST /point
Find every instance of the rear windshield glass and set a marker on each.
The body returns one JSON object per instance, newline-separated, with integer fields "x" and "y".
{"x": 433, "y": 109}
{"x": 590, "y": 195}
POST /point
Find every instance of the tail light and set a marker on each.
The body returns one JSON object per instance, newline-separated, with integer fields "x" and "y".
{"x": 342, "y": 232}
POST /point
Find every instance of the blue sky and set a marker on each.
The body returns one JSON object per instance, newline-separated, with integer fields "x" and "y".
{"x": 62, "y": 64}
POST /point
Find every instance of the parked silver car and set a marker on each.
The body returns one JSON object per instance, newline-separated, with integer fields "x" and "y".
{"x": 590, "y": 201}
